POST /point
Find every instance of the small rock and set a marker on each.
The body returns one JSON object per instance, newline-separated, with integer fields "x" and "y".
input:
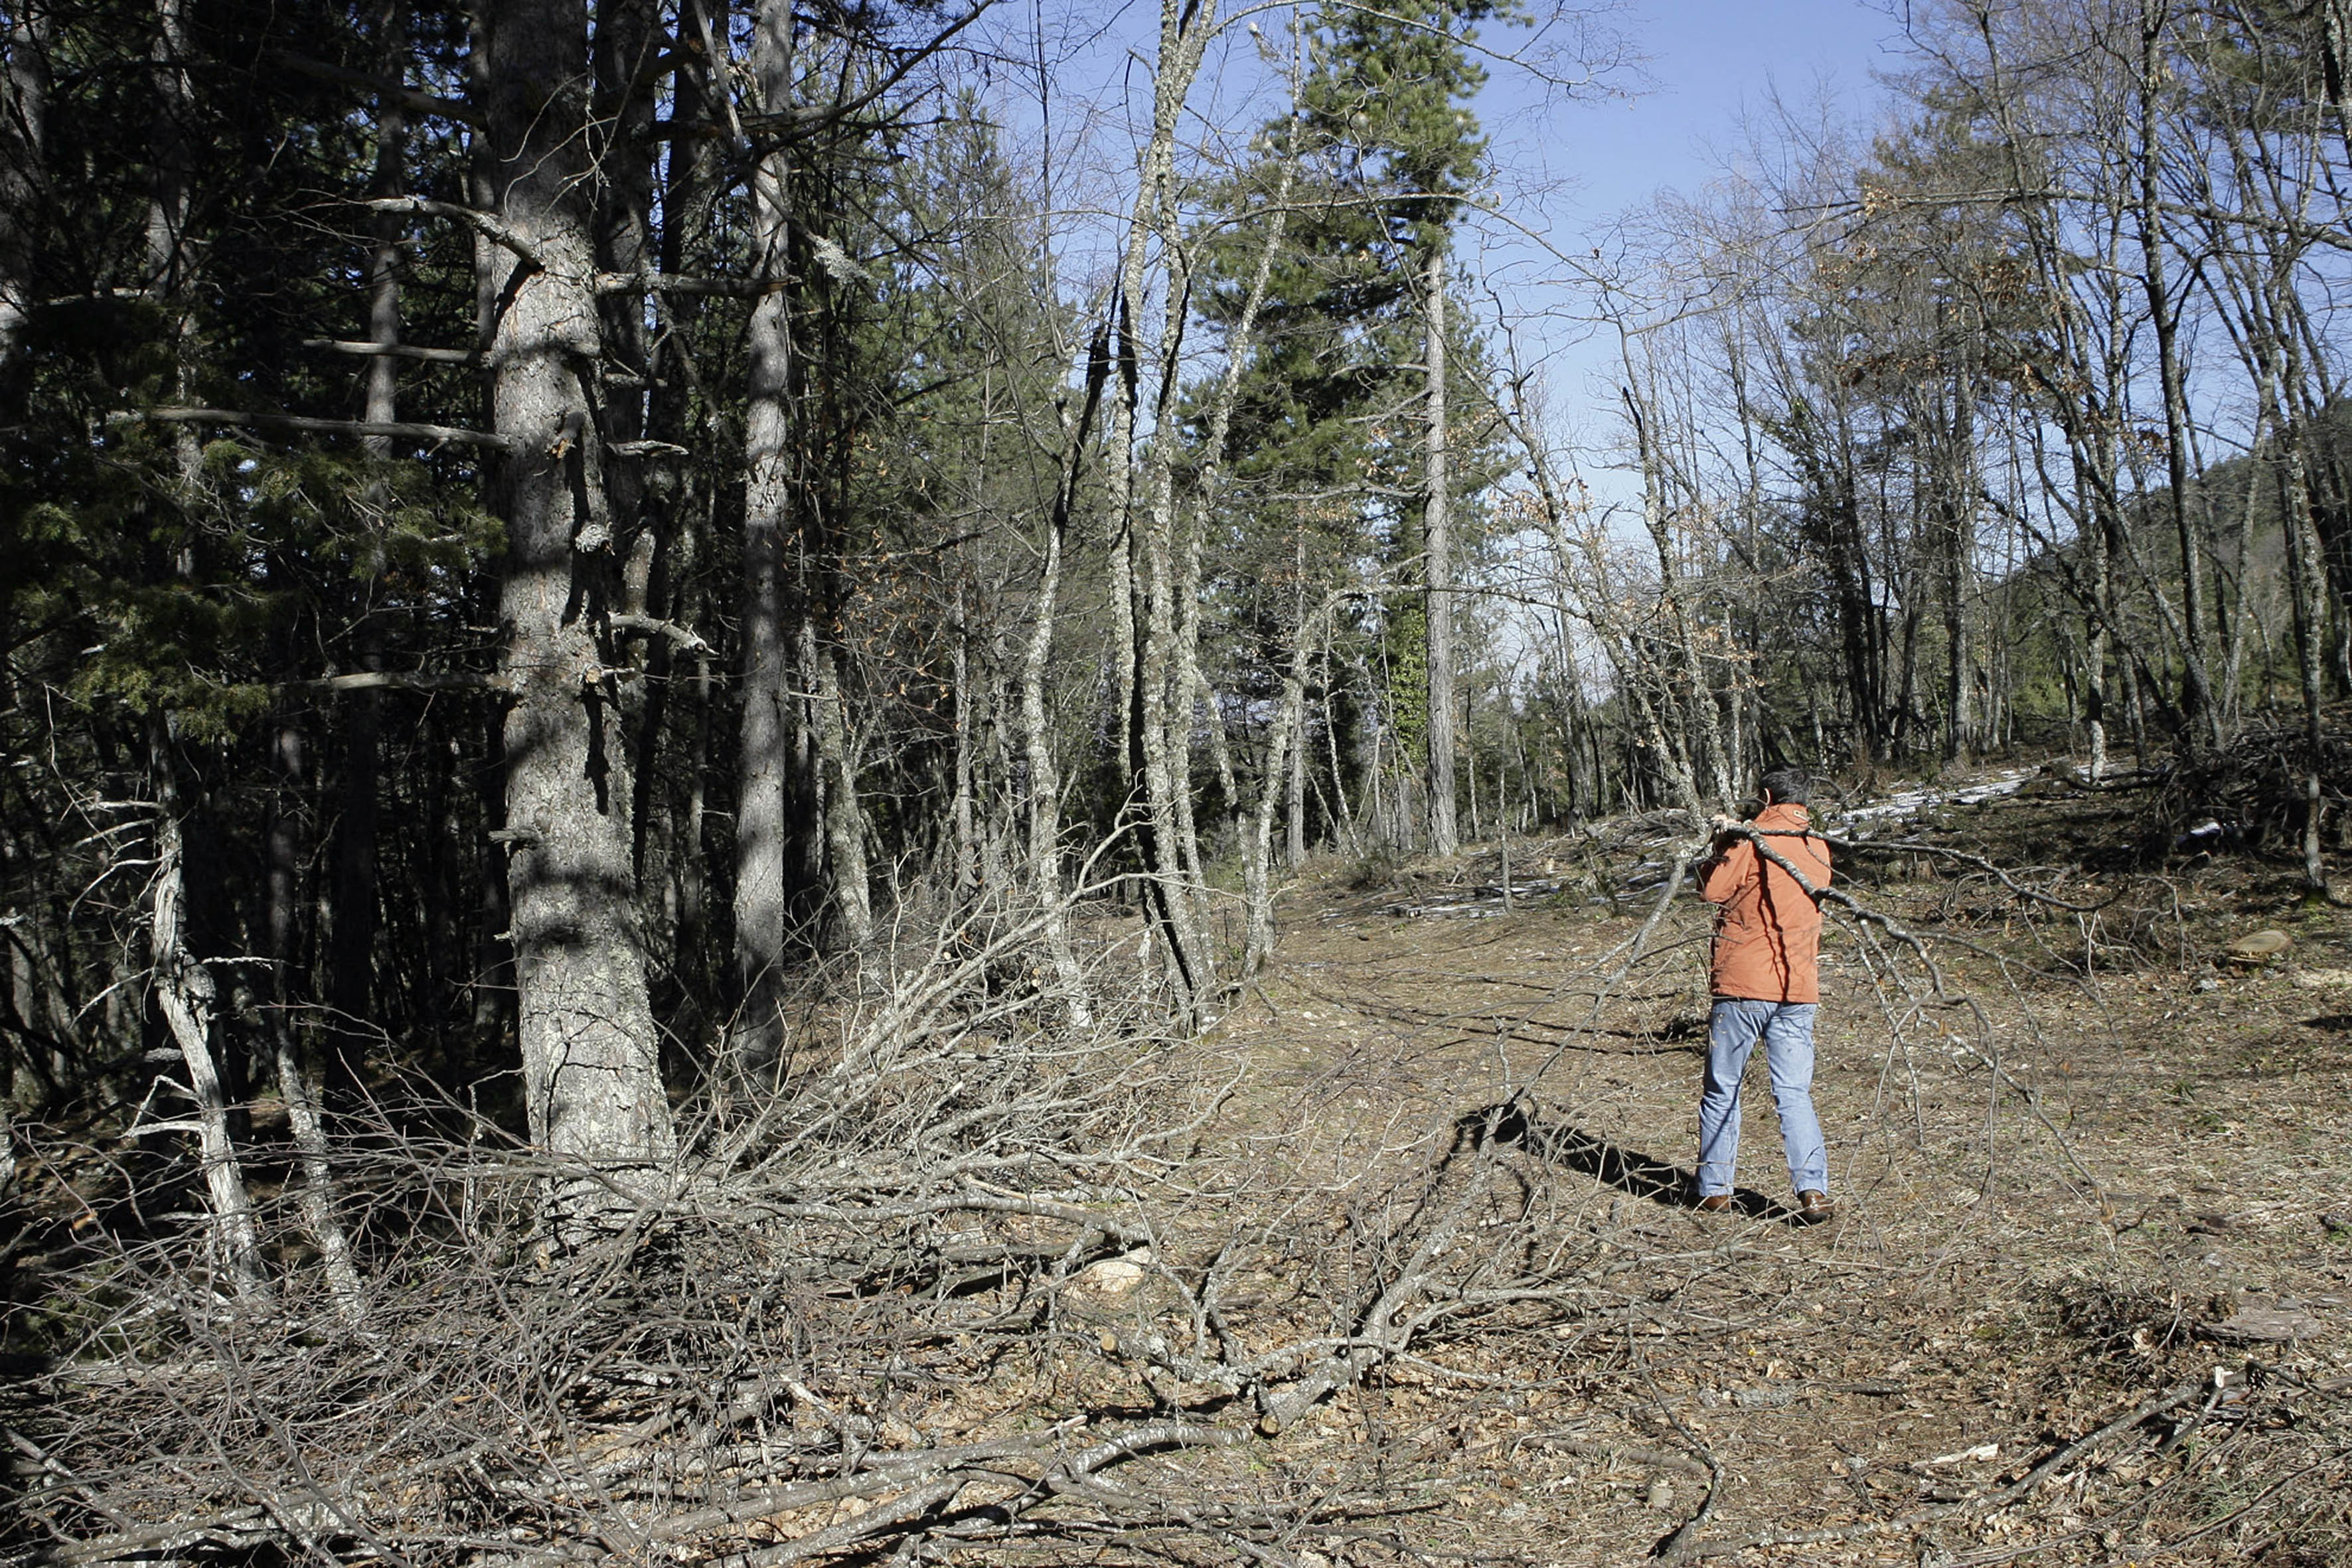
{"x": 2261, "y": 1326}
{"x": 2259, "y": 947}
{"x": 1662, "y": 1494}
{"x": 1112, "y": 1277}
{"x": 2324, "y": 979}
{"x": 1760, "y": 1398}
{"x": 2208, "y": 984}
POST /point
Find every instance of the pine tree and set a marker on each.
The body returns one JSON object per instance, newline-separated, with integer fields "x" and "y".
{"x": 1329, "y": 441}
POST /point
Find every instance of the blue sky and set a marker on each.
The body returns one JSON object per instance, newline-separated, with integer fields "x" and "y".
{"x": 1707, "y": 60}
{"x": 1578, "y": 168}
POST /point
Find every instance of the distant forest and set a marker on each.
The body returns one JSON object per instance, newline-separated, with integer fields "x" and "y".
{"x": 547, "y": 545}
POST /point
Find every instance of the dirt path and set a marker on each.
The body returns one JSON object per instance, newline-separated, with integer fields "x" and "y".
{"x": 1979, "y": 1304}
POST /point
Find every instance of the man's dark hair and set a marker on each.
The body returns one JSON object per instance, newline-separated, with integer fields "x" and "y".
{"x": 1787, "y": 786}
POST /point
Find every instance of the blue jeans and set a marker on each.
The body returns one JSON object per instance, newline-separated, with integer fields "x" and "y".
{"x": 1786, "y": 1028}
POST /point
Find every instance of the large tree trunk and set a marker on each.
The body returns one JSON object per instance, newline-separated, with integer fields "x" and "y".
{"x": 1444, "y": 837}
{"x": 765, "y": 764}
{"x": 592, "y": 1074}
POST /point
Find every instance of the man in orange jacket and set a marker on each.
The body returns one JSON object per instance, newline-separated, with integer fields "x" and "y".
{"x": 1766, "y": 982}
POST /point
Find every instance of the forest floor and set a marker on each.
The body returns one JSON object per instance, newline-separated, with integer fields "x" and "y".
{"x": 1395, "y": 1265}
{"x": 1999, "y": 1282}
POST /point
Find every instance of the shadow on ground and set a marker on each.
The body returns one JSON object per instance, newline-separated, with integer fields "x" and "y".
{"x": 1627, "y": 1169}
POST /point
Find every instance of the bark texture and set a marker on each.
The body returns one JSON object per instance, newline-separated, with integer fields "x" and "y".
{"x": 764, "y": 765}
{"x": 591, "y": 1062}
{"x": 1444, "y": 835}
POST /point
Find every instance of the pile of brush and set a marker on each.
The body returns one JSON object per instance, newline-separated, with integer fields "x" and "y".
{"x": 2252, "y": 792}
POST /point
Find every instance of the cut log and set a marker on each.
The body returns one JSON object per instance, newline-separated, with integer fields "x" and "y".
{"x": 2261, "y": 1326}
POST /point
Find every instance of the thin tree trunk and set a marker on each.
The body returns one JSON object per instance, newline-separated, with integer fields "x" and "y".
{"x": 2308, "y": 596}
{"x": 1345, "y": 817}
{"x": 1239, "y": 344}
{"x": 1670, "y": 749}
{"x": 1955, "y": 490}
{"x": 1147, "y": 569}
{"x": 183, "y": 989}
{"x": 1037, "y": 740}
{"x": 1444, "y": 838}
{"x": 350, "y": 949}
{"x": 845, "y": 817}
{"x": 675, "y": 532}
{"x": 2095, "y": 640}
{"x": 1258, "y": 883}
{"x": 186, "y": 996}
{"x": 2197, "y": 692}
{"x": 296, "y": 1083}
{"x": 964, "y": 873}
{"x": 1294, "y": 809}
{"x": 1470, "y": 777}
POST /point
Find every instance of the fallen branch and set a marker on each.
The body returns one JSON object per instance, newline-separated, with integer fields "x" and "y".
{"x": 395, "y": 430}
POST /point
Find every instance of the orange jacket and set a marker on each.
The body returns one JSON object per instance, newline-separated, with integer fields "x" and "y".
{"x": 1767, "y": 930}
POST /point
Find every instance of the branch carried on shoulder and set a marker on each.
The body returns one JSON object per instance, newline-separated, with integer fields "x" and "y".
{"x": 1914, "y": 847}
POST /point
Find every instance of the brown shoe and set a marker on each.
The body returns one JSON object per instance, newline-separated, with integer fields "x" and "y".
{"x": 1813, "y": 1208}
{"x": 1714, "y": 1204}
